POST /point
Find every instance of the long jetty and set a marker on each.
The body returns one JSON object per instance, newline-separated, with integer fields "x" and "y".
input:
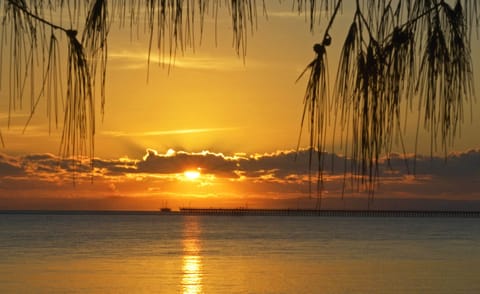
{"x": 259, "y": 212}
{"x": 316, "y": 212}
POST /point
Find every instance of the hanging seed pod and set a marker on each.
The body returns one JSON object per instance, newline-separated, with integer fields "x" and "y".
{"x": 327, "y": 41}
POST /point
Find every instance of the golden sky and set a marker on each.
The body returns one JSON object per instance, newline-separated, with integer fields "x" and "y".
{"x": 233, "y": 120}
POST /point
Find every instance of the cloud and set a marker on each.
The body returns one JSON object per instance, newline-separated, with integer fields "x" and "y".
{"x": 278, "y": 175}
{"x": 281, "y": 164}
{"x": 166, "y": 132}
{"x": 10, "y": 166}
{"x": 208, "y": 162}
{"x": 285, "y": 14}
{"x": 133, "y": 60}
{"x": 455, "y": 165}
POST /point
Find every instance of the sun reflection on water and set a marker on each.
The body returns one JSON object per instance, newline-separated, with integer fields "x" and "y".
{"x": 192, "y": 260}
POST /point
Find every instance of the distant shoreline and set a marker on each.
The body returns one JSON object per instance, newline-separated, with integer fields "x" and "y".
{"x": 255, "y": 212}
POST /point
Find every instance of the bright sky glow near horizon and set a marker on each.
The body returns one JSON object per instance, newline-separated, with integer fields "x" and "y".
{"x": 214, "y": 129}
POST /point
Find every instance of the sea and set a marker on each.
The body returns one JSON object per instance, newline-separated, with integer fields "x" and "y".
{"x": 173, "y": 253}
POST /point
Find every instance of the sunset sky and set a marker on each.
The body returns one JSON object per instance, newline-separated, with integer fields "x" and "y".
{"x": 215, "y": 129}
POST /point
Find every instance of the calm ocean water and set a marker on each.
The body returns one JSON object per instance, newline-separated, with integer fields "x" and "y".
{"x": 228, "y": 254}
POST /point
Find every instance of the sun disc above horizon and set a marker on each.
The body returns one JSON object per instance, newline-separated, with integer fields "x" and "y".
{"x": 192, "y": 174}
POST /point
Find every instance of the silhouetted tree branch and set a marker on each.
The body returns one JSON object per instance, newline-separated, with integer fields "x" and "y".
{"x": 394, "y": 52}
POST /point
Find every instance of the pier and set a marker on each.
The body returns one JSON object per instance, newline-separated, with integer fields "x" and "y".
{"x": 329, "y": 213}
{"x": 258, "y": 212}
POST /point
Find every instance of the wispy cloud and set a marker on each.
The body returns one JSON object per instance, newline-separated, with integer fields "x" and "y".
{"x": 165, "y": 132}
{"x": 133, "y": 59}
{"x": 285, "y": 14}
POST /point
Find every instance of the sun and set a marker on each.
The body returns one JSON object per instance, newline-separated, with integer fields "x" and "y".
{"x": 192, "y": 174}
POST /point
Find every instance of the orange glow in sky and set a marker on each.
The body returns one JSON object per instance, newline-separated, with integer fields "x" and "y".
{"x": 150, "y": 145}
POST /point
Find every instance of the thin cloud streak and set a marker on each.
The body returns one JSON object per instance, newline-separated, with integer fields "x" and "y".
{"x": 285, "y": 14}
{"x": 134, "y": 60}
{"x": 166, "y": 132}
